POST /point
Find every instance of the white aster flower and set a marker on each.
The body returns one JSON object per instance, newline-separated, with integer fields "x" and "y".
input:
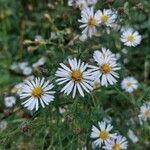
{"x": 36, "y": 92}
{"x": 129, "y": 84}
{"x": 145, "y": 112}
{"x": 106, "y": 68}
{"x": 120, "y": 143}
{"x": 132, "y": 136}
{"x": 90, "y": 21}
{"x": 10, "y": 101}
{"x": 130, "y": 37}
{"x": 75, "y": 76}
{"x": 102, "y": 134}
{"x": 107, "y": 17}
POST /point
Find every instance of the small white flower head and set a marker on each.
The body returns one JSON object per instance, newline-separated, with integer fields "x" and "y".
{"x": 10, "y": 101}
{"x": 107, "y": 17}
{"x": 120, "y": 143}
{"x": 82, "y": 4}
{"x": 107, "y": 66}
{"x": 132, "y": 136}
{"x": 75, "y": 76}
{"x": 145, "y": 112}
{"x": 130, "y": 37}
{"x": 90, "y": 21}
{"x": 36, "y": 92}
{"x": 129, "y": 84}
{"x": 102, "y": 134}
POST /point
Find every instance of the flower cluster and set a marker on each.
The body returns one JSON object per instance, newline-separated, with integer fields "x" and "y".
{"x": 75, "y": 76}
{"x": 107, "y": 18}
{"x": 104, "y": 138}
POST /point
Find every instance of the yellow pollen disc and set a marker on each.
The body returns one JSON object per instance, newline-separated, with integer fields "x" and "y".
{"x": 104, "y": 135}
{"x": 147, "y": 113}
{"x": 92, "y": 22}
{"x": 116, "y": 147}
{"x": 129, "y": 84}
{"x": 105, "y": 68}
{"x": 76, "y": 75}
{"x": 104, "y": 18}
{"x": 131, "y": 38}
{"x": 37, "y": 92}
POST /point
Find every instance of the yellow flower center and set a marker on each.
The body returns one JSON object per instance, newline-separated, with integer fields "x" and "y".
{"x": 116, "y": 147}
{"x": 147, "y": 113}
{"x": 37, "y": 92}
{"x": 104, "y": 135}
{"x": 104, "y": 18}
{"x": 131, "y": 38}
{"x": 129, "y": 84}
{"x": 105, "y": 68}
{"x": 92, "y": 22}
{"x": 76, "y": 75}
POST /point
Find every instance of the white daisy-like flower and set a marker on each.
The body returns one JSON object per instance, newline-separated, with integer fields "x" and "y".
{"x": 102, "y": 134}
{"x": 82, "y": 4}
{"x": 144, "y": 112}
{"x": 10, "y": 101}
{"x": 130, "y": 37}
{"x": 75, "y": 76}
{"x": 36, "y": 92}
{"x": 107, "y": 66}
{"x": 90, "y": 21}
{"x": 107, "y": 17}
{"x": 120, "y": 143}
{"x": 129, "y": 84}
